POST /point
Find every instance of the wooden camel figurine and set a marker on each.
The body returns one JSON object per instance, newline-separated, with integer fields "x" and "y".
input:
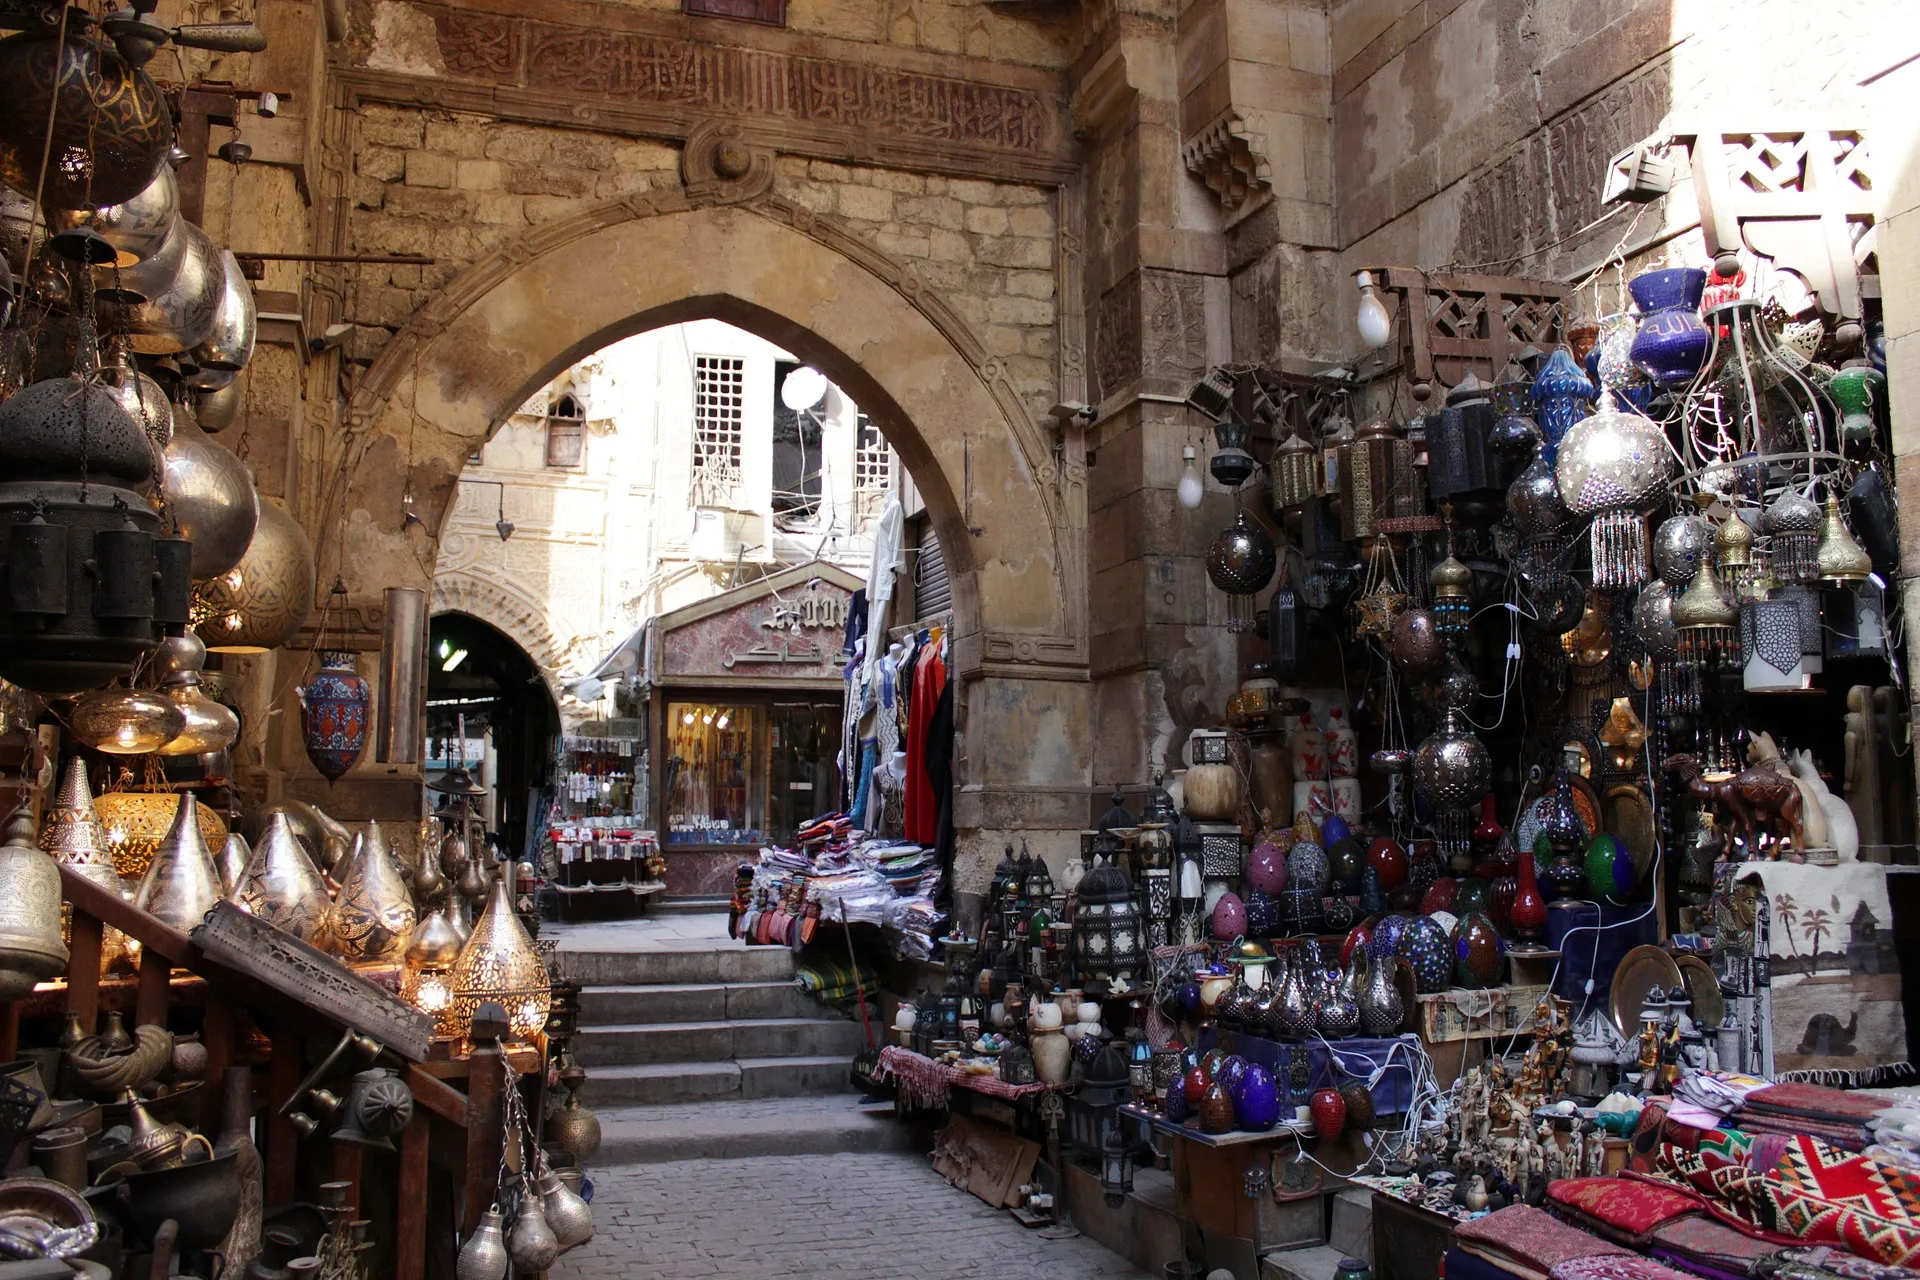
{"x": 1760, "y": 791}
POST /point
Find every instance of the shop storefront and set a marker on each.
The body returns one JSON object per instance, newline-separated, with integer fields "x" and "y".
{"x": 744, "y": 694}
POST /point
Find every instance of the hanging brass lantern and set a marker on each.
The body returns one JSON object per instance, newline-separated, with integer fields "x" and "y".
{"x": 181, "y": 885}
{"x": 1793, "y": 529}
{"x": 373, "y": 918}
{"x": 283, "y": 887}
{"x": 218, "y": 410}
{"x": 1841, "y": 558}
{"x": 1733, "y": 554}
{"x": 431, "y": 956}
{"x": 174, "y": 312}
{"x": 30, "y": 946}
{"x": 1294, "y": 471}
{"x": 127, "y": 722}
{"x": 137, "y": 821}
{"x": 208, "y": 726}
{"x": 110, "y": 126}
{"x": 498, "y": 963}
{"x": 1704, "y": 605}
{"x": 1379, "y": 466}
{"x": 211, "y": 496}
{"x": 260, "y": 603}
{"x": 229, "y": 342}
{"x": 135, "y": 228}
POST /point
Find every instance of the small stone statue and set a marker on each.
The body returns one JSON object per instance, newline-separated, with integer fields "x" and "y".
{"x": 1596, "y": 1162}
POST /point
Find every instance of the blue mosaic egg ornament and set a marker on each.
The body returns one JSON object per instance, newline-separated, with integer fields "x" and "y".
{"x": 1387, "y": 933}
{"x": 1424, "y": 945}
{"x": 1263, "y": 914}
{"x": 1232, "y": 1074}
{"x": 1307, "y": 866}
{"x": 1257, "y": 1105}
{"x": 1479, "y": 951}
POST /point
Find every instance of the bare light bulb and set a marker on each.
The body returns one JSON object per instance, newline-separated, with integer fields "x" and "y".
{"x": 1375, "y": 325}
{"x": 1191, "y": 488}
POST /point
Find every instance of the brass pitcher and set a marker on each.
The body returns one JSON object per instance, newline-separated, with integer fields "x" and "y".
{"x": 30, "y": 946}
{"x": 373, "y": 919}
{"x": 181, "y": 885}
{"x": 283, "y": 887}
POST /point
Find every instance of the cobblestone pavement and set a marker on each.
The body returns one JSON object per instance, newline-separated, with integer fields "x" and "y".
{"x": 879, "y": 1216}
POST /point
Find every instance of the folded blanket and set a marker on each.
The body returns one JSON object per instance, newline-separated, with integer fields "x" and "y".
{"x": 1847, "y": 1136}
{"x": 1710, "y": 1248}
{"x": 1625, "y": 1267}
{"x": 1799, "y": 1098}
{"x": 1522, "y": 1237}
{"x": 1818, "y": 1262}
{"x": 1624, "y": 1210}
{"x": 1823, "y": 1196}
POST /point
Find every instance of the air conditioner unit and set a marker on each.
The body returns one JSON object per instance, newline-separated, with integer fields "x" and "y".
{"x": 722, "y": 535}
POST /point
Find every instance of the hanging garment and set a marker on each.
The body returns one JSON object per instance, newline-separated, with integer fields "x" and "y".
{"x": 939, "y": 754}
{"x": 889, "y": 555}
{"x": 929, "y": 679}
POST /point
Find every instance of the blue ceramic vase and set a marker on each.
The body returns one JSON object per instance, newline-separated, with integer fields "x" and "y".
{"x": 1258, "y": 1103}
{"x": 1672, "y": 342}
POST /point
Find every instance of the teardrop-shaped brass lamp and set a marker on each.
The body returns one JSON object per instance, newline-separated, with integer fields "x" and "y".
{"x": 499, "y": 964}
{"x": 283, "y": 887}
{"x": 210, "y": 726}
{"x": 126, "y": 722}
{"x": 1841, "y": 558}
{"x": 1703, "y": 604}
{"x": 373, "y": 918}
{"x": 181, "y": 885}
{"x": 30, "y": 946}
{"x": 231, "y": 862}
{"x": 431, "y": 956}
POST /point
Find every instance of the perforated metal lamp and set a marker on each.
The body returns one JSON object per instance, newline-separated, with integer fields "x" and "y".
{"x": 1116, "y": 1164}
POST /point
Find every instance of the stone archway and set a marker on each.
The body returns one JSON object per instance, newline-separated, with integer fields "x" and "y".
{"x": 1007, "y": 493}
{"x": 519, "y": 618}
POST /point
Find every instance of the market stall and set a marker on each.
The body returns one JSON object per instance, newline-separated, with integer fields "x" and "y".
{"x": 1541, "y": 856}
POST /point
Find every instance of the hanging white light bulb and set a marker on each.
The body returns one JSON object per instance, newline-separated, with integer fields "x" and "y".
{"x": 1375, "y": 325}
{"x": 1191, "y": 488}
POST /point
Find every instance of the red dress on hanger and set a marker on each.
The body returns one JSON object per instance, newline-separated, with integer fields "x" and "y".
{"x": 923, "y": 811}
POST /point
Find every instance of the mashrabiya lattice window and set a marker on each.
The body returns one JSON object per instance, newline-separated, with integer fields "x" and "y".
{"x": 719, "y": 394}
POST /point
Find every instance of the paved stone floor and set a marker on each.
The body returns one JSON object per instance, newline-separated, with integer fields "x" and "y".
{"x": 668, "y": 931}
{"x": 877, "y": 1216}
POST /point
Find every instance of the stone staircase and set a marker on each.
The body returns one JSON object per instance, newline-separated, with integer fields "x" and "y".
{"x": 715, "y": 1052}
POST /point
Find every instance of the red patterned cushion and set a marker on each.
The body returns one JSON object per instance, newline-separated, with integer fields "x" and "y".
{"x": 1717, "y": 1169}
{"x": 1624, "y": 1209}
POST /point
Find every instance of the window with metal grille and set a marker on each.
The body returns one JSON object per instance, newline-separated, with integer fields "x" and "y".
{"x": 719, "y": 394}
{"x": 566, "y": 435}
{"x": 796, "y": 453}
{"x": 872, "y": 470}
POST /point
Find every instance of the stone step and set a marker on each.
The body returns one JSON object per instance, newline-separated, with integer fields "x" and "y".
{"x": 691, "y": 906}
{"x": 638, "y": 1044}
{"x": 696, "y": 1002}
{"x": 1352, "y": 1229}
{"x": 1313, "y": 1262}
{"x": 661, "y": 1083}
{"x": 735, "y": 1129}
{"x": 693, "y": 964}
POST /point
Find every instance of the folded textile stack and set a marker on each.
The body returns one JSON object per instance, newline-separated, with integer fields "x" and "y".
{"x": 1524, "y": 1241}
{"x": 1837, "y": 1118}
{"x": 1822, "y": 1263}
{"x": 1720, "y": 1092}
{"x": 1631, "y": 1267}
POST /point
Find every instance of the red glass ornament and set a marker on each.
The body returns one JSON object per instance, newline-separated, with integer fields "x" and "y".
{"x": 1329, "y": 1112}
{"x": 1195, "y": 1085}
{"x": 1504, "y": 889}
{"x": 1357, "y": 937}
{"x": 1528, "y": 914}
{"x": 1487, "y": 834}
{"x": 1390, "y": 860}
{"x": 1440, "y": 896}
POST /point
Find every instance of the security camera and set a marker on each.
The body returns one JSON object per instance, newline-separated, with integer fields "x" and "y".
{"x": 1074, "y": 409}
{"x": 335, "y": 335}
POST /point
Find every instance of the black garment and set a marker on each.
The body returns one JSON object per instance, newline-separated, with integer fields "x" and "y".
{"x": 856, "y": 620}
{"x": 939, "y": 753}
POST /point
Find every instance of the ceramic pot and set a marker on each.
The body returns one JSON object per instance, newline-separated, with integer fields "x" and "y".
{"x": 1439, "y": 897}
{"x": 333, "y": 715}
{"x": 1427, "y": 949}
{"x": 1329, "y": 1113}
{"x": 1258, "y": 1106}
{"x": 1346, "y": 861}
{"x": 1359, "y": 1100}
{"x": 1672, "y": 341}
{"x": 1216, "y": 1110}
{"x": 1052, "y": 1056}
{"x": 1478, "y": 951}
{"x": 1266, "y": 869}
{"x": 1381, "y": 1012}
{"x": 1229, "y": 918}
{"x": 1387, "y": 931}
{"x": 1212, "y": 792}
{"x": 1307, "y": 867}
{"x": 1529, "y": 910}
{"x": 1610, "y": 869}
{"x": 1389, "y": 859}
{"x": 1474, "y": 894}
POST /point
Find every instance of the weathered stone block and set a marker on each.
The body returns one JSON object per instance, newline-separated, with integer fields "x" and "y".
{"x": 1015, "y": 251}
{"x": 827, "y": 171}
{"x": 384, "y": 305}
{"x": 1020, "y": 311}
{"x": 369, "y": 193}
{"x": 1001, "y": 340}
{"x": 987, "y": 220}
{"x": 463, "y": 137}
{"x": 933, "y": 211}
{"x": 973, "y": 192}
{"x": 390, "y": 127}
{"x": 497, "y": 209}
{"x": 429, "y": 204}
{"x": 658, "y": 155}
{"x": 868, "y": 204}
{"x": 1030, "y": 284}
{"x": 541, "y": 209}
{"x": 430, "y": 169}
{"x": 581, "y": 151}
{"x": 391, "y": 235}
{"x": 517, "y": 142}
{"x": 479, "y": 175}
{"x": 549, "y": 180}
{"x": 1031, "y": 220}
{"x": 812, "y": 195}
{"x": 906, "y": 246}
{"x": 911, "y": 184}
{"x": 385, "y": 164}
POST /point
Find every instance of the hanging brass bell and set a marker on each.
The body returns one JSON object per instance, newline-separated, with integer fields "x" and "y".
{"x": 30, "y": 946}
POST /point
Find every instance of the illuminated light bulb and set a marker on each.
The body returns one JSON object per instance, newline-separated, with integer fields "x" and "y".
{"x": 722, "y": 722}
{"x": 1375, "y": 325}
{"x": 706, "y": 718}
{"x": 687, "y": 718}
{"x": 1191, "y": 488}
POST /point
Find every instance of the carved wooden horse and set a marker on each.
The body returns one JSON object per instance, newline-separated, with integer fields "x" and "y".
{"x": 1761, "y": 791}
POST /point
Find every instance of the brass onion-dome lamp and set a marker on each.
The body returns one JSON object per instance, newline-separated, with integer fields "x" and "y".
{"x": 498, "y": 963}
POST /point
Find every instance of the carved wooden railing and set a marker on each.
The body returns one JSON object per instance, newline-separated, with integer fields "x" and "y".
{"x": 474, "y": 1119}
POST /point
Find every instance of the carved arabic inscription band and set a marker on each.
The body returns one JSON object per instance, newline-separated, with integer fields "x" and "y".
{"x": 658, "y": 69}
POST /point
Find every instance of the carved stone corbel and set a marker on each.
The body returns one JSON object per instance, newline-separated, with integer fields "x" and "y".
{"x": 720, "y": 166}
{"x": 1230, "y": 159}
